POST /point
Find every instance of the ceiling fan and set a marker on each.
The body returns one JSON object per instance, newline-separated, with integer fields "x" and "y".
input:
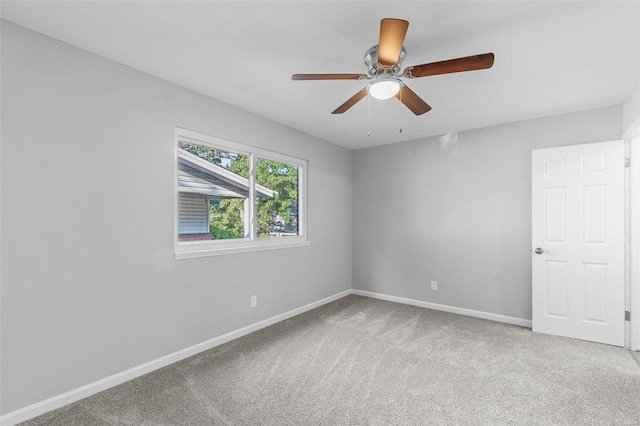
{"x": 383, "y": 63}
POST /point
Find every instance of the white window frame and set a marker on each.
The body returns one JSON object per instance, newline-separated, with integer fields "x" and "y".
{"x": 194, "y": 249}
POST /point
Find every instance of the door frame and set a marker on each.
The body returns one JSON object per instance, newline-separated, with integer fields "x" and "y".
{"x": 631, "y": 139}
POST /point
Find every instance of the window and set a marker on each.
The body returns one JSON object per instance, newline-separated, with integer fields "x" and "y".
{"x": 236, "y": 198}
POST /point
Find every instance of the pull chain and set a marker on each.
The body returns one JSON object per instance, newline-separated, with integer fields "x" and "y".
{"x": 401, "y": 108}
{"x": 368, "y": 115}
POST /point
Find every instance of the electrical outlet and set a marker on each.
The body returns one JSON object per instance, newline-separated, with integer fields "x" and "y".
{"x": 434, "y": 285}
{"x": 254, "y": 301}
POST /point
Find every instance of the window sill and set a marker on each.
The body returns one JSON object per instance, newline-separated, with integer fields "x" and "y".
{"x": 192, "y": 252}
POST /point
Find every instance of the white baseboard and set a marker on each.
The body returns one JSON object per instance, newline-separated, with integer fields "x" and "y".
{"x": 34, "y": 410}
{"x": 39, "y": 408}
{"x": 446, "y": 308}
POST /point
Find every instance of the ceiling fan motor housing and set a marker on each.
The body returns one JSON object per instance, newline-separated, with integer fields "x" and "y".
{"x": 375, "y": 69}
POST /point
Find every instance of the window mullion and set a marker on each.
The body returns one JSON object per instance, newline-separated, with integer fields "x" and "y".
{"x": 252, "y": 196}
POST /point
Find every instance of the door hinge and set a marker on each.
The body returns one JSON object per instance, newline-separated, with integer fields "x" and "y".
{"x": 627, "y": 316}
{"x": 627, "y": 162}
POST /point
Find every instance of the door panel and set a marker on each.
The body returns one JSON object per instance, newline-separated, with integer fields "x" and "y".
{"x": 556, "y": 288}
{"x": 578, "y": 222}
{"x": 594, "y": 213}
{"x": 594, "y": 290}
{"x": 556, "y": 214}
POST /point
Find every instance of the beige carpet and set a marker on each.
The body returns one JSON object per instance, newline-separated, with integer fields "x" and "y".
{"x": 361, "y": 361}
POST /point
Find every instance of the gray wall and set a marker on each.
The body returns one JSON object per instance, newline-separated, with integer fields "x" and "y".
{"x": 631, "y": 109}
{"x": 457, "y": 209}
{"x": 89, "y": 284}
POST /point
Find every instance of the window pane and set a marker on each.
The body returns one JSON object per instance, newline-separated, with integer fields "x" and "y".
{"x": 276, "y": 199}
{"x": 213, "y": 194}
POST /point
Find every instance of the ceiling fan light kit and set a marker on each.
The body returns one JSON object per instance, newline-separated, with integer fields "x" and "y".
{"x": 383, "y": 63}
{"x": 384, "y": 88}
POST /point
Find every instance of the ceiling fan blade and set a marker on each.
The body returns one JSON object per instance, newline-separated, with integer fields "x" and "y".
{"x": 392, "y": 32}
{"x": 412, "y": 101}
{"x": 468, "y": 63}
{"x": 351, "y": 101}
{"x": 328, "y": 77}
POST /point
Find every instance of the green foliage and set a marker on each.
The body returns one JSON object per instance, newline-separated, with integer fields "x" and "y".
{"x": 226, "y": 219}
{"x": 274, "y": 214}
{"x": 240, "y": 166}
{"x": 209, "y": 154}
{"x": 280, "y": 212}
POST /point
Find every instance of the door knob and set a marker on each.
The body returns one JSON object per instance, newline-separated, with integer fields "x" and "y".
{"x": 539, "y": 250}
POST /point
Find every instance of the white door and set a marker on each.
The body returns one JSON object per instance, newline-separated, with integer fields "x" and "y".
{"x": 578, "y": 241}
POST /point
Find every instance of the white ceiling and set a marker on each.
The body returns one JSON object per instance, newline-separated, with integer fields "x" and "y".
{"x": 551, "y": 57}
